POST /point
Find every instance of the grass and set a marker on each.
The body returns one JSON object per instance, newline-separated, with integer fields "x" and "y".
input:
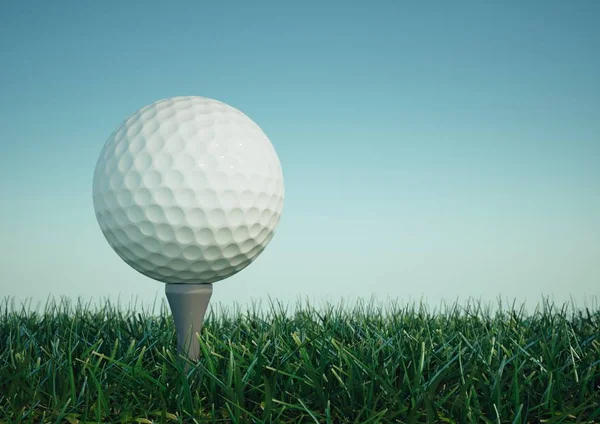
{"x": 334, "y": 364}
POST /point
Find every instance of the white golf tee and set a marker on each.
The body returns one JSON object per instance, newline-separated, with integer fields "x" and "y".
{"x": 188, "y": 304}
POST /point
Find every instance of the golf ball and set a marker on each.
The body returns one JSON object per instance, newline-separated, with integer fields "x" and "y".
{"x": 188, "y": 190}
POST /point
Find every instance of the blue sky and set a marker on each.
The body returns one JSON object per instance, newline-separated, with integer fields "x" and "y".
{"x": 436, "y": 149}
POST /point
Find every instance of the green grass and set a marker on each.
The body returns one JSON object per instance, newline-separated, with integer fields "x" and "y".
{"x": 364, "y": 363}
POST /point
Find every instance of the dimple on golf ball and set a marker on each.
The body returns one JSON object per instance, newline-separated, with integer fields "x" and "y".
{"x": 188, "y": 190}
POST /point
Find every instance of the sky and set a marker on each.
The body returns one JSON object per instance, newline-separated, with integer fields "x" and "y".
{"x": 432, "y": 151}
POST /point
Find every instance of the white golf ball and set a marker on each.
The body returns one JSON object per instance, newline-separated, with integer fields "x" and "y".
{"x": 188, "y": 190}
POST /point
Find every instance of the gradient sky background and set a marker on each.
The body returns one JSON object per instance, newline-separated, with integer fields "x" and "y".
{"x": 430, "y": 149}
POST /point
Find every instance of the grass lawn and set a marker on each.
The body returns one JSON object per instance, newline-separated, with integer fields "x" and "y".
{"x": 364, "y": 363}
